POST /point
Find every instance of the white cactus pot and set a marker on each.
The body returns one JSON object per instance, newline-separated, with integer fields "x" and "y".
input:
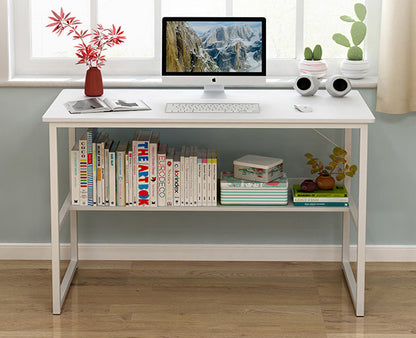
{"x": 354, "y": 69}
{"x": 314, "y": 68}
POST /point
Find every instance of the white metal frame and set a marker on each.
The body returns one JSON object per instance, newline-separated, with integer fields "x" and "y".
{"x": 355, "y": 212}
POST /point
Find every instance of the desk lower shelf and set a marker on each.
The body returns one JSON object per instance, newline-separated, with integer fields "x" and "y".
{"x": 219, "y": 208}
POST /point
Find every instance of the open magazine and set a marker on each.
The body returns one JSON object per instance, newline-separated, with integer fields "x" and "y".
{"x": 98, "y": 105}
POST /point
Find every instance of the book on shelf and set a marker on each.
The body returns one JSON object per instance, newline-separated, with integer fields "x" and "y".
{"x": 204, "y": 178}
{"x": 100, "y": 105}
{"x": 321, "y": 204}
{"x": 83, "y": 169}
{"x": 90, "y": 165}
{"x": 143, "y": 195}
{"x": 107, "y": 147}
{"x": 100, "y": 169}
{"x": 214, "y": 177}
{"x": 169, "y": 176}
{"x": 94, "y": 169}
{"x": 161, "y": 175}
{"x": 75, "y": 177}
{"x": 195, "y": 175}
{"x": 182, "y": 176}
{"x": 121, "y": 174}
{"x": 321, "y": 199}
{"x": 153, "y": 168}
{"x": 200, "y": 178}
{"x": 336, "y": 191}
{"x": 187, "y": 175}
{"x": 134, "y": 164}
{"x": 129, "y": 175}
{"x": 112, "y": 174}
{"x": 177, "y": 179}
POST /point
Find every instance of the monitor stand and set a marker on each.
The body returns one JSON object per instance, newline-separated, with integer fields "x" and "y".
{"x": 214, "y": 91}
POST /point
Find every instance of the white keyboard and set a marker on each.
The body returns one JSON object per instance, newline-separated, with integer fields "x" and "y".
{"x": 212, "y": 108}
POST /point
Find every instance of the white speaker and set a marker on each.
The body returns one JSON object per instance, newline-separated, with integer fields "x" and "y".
{"x": 338, "y": 85}
{"x": 306, "y": 85}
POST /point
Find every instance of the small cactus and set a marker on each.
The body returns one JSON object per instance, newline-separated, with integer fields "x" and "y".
{"x": 358, "y": 32}
{"x": 314, "y": 55}
{"x": 308, "y": 54}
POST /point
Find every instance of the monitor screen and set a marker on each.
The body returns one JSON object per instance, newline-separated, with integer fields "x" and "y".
{"x": 214, "y": 46}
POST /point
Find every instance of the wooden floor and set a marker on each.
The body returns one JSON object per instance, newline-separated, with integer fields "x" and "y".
{"x": 207, "y": 299}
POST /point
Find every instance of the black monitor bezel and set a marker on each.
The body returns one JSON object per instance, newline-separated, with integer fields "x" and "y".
{"x": 263, "y": 56}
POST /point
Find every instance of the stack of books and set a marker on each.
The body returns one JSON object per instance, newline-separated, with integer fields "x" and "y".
{"x": 234, "y": 191}
{"x": 335, "y": 197}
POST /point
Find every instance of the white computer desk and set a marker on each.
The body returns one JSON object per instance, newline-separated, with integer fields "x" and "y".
{"x": 277, "y": 111}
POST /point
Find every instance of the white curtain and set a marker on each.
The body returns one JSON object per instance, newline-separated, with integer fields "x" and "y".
{"x": 396, "y": 89}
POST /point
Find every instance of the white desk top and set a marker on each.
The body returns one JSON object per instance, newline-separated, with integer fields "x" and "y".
{"x": 276, "y": 110}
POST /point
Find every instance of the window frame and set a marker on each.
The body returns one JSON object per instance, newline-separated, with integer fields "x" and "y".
{"x": 11, "y": 65}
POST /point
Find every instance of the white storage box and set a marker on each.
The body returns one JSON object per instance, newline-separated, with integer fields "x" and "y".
{"x": 258, "y": 168}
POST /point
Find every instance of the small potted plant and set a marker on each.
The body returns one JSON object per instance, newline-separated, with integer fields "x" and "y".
{"x": 354, "y": 67}
{"x": 338, "y": 166}
{"x": 90, "y": 54}
{"x": 313, "y": 63}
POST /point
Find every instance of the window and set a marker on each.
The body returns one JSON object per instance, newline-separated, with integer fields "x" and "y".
{"x": 291, "y": 26}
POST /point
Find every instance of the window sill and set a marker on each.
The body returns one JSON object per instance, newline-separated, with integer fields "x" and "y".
{"x": 153, "y": 82}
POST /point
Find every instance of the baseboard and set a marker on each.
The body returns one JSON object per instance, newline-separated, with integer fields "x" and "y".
{"x": 208, "y": 252}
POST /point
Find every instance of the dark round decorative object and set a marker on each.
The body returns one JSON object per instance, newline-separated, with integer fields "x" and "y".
{"x": 308, "y": 186}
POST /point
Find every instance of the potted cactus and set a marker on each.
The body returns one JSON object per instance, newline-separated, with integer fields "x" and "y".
{"x": 354, "y": 66}
{"x": 313, "y": 63}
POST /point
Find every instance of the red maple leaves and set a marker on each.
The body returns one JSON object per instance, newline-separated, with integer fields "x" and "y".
{"x": 101, "y": 38}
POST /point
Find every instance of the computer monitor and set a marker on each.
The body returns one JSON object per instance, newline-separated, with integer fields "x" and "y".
{"x": 214, "y": 51}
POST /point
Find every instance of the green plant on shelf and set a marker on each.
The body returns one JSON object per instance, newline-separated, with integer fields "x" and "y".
{"x": 338, "y": 165}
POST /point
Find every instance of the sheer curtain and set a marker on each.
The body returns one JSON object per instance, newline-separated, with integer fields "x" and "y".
{"x": 396, "y": 89}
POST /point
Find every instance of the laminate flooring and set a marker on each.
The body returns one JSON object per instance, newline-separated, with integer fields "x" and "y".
{"x": 207, "y": 299}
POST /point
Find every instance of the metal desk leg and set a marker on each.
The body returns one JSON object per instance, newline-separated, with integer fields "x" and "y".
{"x": 361, "y": 226}
{"x": 346, "y": 216}
{"x": 54, "y": 184}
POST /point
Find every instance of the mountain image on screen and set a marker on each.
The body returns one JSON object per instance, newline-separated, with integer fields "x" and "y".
{"x": 213, "y": 47}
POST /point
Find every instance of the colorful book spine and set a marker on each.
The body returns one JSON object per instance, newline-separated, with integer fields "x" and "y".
{"x": 187, "y": 176}
{"x": 153, "y": 169}
{"x": 130, "y": 174}
{"x": 83, "y": 170}
{"x": 214, "y": 177}
{"x": 121, "y": 174}
{"x": 321, "y": 199}
{"x": 169, "y": 176}
{"x": 321, "y": 204}
{"x": 112, "y": 174}
{"x": 100, "y": 178}
{"x": 337, "y": 191}
{"x": 161, "y": 176}
{"x": 75, "y": 176}
{"x": 177, "y": 180}
{"x": 90, "y": 136}
{"x": 143, "y": 195}
{"x": 135, "y": 179}
{"x": 94, "y": 170}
